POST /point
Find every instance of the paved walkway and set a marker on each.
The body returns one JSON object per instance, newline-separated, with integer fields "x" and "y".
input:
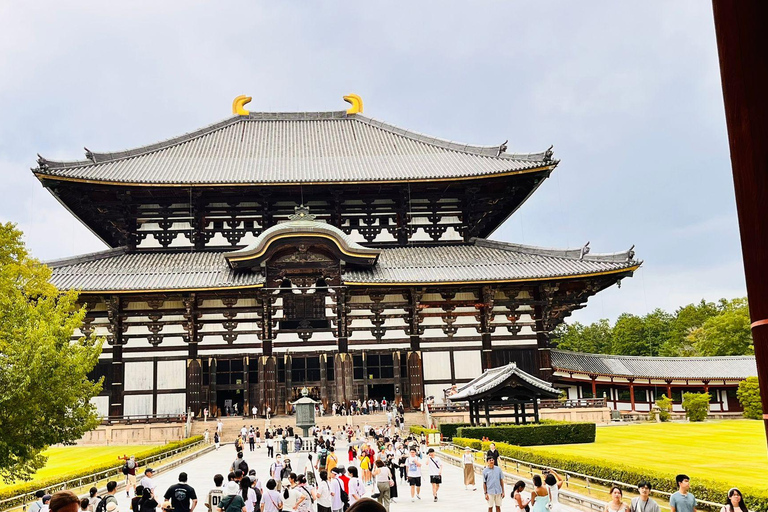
{"x": 452, "y": 495}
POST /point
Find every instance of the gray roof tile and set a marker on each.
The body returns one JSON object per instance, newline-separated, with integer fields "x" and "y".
{"x": 293, "y": 148}
{"x": 731, "y": 367}
{"x": 479, "y": 261}
{"x": 496, "y": 377}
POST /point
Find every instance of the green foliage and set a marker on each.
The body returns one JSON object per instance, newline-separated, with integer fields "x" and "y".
{"x": 44, "y": 391}
{"x": 727, "y": 334}
{"x": 703, "y": 329}
{"x": 749, "y": 398}
{"x": 617, "y": 471}
{"x": 533, "y": 435}
{"x": 696, "y": 405}
{"x": 31, "y": 487}
{"x": 665, "y": 407}
{"x": 418, "y": 430}
{"x": 448, "y": 430}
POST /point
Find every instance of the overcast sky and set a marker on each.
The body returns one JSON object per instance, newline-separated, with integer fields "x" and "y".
{"x": 628, "y": 92}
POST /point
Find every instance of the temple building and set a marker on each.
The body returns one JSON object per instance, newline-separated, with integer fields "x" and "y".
{"x": 273, "y": 251}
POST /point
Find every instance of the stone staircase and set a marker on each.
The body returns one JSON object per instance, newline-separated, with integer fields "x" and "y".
{"x": 233, "y": 424}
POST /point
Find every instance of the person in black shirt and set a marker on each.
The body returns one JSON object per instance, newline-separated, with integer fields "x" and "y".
{"x": 493, "y": 452}
{"x": 137, "y": 498}
{"x": 183, "y": 497}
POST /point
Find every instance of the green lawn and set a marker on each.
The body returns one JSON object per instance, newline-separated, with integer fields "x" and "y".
{"x": 731, "y": 451}
{"x": 66, "y": 459}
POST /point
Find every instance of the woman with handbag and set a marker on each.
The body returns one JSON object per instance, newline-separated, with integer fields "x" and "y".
{"x": 232, "y": 501}
{"x": 383, "y": 483}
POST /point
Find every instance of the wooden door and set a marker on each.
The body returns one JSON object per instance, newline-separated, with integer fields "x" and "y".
{"x": 415, "y": 382}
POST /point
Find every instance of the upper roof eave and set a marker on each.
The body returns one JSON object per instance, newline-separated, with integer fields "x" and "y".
{"x": 47, "y": 168}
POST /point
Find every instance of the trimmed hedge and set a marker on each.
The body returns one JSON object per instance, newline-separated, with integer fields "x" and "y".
{"x": 418, "y": 430}
{"x": 533, "y": 435}
{"x": 34, "y": 485}
{"x": 610, "y": 470}
{"x": 448, "y": 430}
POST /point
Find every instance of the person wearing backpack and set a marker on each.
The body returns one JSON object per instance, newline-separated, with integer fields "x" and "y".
{"x": 108, "y": 498}
{"x": 232, "y": 500}
{"x": 240, "y": 464}
{"x": 183, "y": 496}
{"x": 322, "y": 459}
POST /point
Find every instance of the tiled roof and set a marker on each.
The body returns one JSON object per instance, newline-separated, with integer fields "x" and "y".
{"x": 730, "y": 367}
{"x": 115, "y": 270}
{"x": 293, "y": 148}
{"x": 479, "y": 261}
{"x": 498, "y": 377}
{"x": 484, "y": 260}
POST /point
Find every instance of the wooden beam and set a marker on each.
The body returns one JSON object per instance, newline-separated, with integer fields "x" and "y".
{"x": 742, "y": 43}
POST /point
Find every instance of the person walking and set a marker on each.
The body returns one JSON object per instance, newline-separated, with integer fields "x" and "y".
{"x": 147, "y": 481}
{"x": 435, "y": 470}
{"x": 182, "y": 495}
{"x": 469, "y": 468}
{"x": 220, "y": 426}
{"x": 216, "y": 440}
{"x": 323, "y": 493}
{"x": 252, "y": 439}
{"x": 383, "y": 478}
{"x": 356, "y": 487}
{"x": 270, "y": 446}
{"x": 493, "y": 452}
{"x": 414, "y": 474}
{"x": 493, "y": 484}
{"x": 276, "y": 472}
{"x": 644, "y": 502}
{"x": 232, "y": 501}
{"x": 271, "y": 501}
{"x": 735, "y": 502}
{"x": 682, "y": 500}
{"x": 616, "y": 505}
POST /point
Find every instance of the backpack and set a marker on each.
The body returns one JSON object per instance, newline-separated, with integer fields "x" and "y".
{"x": 323, "y": 457}
{"x": 243, "y": 466}
{"x": 102, "y": 506}
{"x": 125, "y": 468}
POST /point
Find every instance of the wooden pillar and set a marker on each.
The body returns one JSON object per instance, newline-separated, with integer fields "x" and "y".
{"x": 115, "y": 338}
{"x": 324, "y": 381}
{"x": 522, "y": 412}
{"x": 212, "y": 386}
{"x": 486, "y": 329}
{"x": 543, "y": 356}
{"x": 487, "y": 413}
{"x": 742, "y": 43}
{"x": 535, "y": 410}
{"x": 288, "y": 365}
{"x": 632, "y": 394}
{"x": 594, "y": 387}
{"x": 669, "y": 389}
{"x": 517, "y": 413}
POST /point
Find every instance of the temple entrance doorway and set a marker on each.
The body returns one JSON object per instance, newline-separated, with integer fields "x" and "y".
{"x": 379, "y": 391}
{"x": 226, "y": 400}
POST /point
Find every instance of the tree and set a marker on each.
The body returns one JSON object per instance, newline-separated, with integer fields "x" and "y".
{"x": 629, "y": 336}
{"x": 687, "y": 319}
{"x": 749, "y": 398}
{"x": 665, "y": 407}
{"x": 44, "y": 390}
{"x": 727, "y": 334}
{"x": 696, "y": 405}
{"x": 594, "y": 338}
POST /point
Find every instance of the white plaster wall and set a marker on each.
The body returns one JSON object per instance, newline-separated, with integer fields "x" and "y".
{"x": 135, "y": 405}
{"x": 172, "y": 403}
{"x": 138, "y": 376}
{"x": 467, "y": 364}
{"x": 435, "y": 390}
{"x": 171, "y": 374}
{"x": 102, "y": 405}
{"x": 437, "y": 365}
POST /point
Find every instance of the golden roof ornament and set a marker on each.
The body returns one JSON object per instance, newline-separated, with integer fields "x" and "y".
{"x": 356, "y": 102}
{"x": 237, "y": 105}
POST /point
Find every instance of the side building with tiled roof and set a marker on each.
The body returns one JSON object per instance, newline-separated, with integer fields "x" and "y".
{"x": 633, "y": 383}
{"x": 275, "y": 251}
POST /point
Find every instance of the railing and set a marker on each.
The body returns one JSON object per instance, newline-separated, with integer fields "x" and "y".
{"x": 115, "y": 473}
{"x": 572, "y": 403}
{"x": 143, "y": 418}
{"x": 579, "y": 481}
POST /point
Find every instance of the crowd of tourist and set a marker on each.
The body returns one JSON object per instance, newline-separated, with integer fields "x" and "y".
{"x": 359, "y": 468}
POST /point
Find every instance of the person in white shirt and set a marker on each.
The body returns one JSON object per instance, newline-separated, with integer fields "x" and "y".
{"x": 219, "y": 426}
{"x": 323, "y": 493}
{"x": 271, "y": 500}
{"x": 336, "y": 504}
{"x": 413, "y": 471}
{"x": 147, "y": 481}
{"x": 382, "y": 477}
{"x": 355, "y": 486}
{"x": 255, "y": 411}
{"x": 435, "y": 470}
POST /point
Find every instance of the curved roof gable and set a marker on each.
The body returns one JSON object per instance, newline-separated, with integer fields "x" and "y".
{"x": 312, "y": 147}
{"x": 302, "y": 225}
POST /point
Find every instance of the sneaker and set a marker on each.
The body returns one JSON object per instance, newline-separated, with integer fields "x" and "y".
{"x": 418, "y": 496}
{"x": 412, "y": 500}
{"x": 435, "y": 498}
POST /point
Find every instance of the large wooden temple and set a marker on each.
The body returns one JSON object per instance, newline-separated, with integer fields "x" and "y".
{"x": 273, "y": 251}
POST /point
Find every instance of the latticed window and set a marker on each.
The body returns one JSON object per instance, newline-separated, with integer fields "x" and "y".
{"x": 304, "y": 311}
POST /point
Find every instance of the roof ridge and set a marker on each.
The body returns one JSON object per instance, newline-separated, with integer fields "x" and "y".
{"x": 657, "y": 358}
{"x": 83, "y": 258}
{"x": 577, "y": 254}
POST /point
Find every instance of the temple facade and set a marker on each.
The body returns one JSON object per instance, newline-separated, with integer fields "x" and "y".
{"x": 275, "y": 251}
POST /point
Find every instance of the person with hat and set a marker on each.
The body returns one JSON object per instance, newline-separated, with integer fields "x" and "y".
{"x": 112, "y": 507}
{"x": 147, "y": 481}
{"x": 232, "y": 500}
{"x": 469, "y": 468}
{"x": 46, "y": 499}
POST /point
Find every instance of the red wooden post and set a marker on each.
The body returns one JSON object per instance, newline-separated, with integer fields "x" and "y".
{"x": 742, "y": 44}
{"x": 632, "y": 394}
{"x": 594, "y": 387}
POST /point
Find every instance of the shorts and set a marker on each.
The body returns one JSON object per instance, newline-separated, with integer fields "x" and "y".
{"x": 436, "y": 479}
{"x": 494, "y": 500}
{"x": 414, "y": 481}
{"x": 131, "y": 479}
